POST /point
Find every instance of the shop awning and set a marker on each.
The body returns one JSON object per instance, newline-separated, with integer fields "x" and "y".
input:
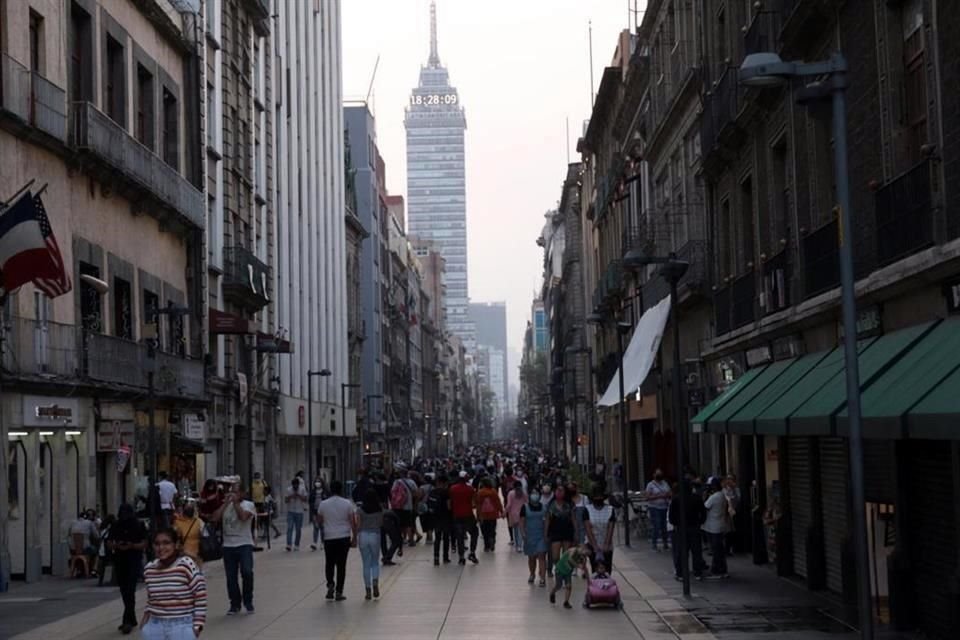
{"x": 818, "y": 414}
{"x": 918, "y": 384}
{"x": 181, "y": 445}
{"x": 744, "y": 421}
{"x": 700, "y": 420}
{"x": 640, "y": 354}
{"x": 775, "y": 419}
{"x": 719, "y": 422}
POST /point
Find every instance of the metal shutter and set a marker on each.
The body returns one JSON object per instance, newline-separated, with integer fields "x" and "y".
{"x": 879, "y": 470}
{"x": 833, "y": 489}
{"x": 798, "y": 487}
{"x": 931, "y": 531}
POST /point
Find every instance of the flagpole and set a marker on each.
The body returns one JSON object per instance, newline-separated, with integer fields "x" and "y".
{"x": 17, "y": 193}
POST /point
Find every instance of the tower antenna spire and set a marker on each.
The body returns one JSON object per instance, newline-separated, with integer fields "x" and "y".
{"x": 434, "y": 56}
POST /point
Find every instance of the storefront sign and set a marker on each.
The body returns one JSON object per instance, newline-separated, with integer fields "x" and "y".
{"x": 758, "y": 355}
{"x": 46, "y": 411}
{"x": 114, "y": 435}
{"x": 194, "y": 428}
{"x": 869, "y": 322}
{"x": 695, "y": 397}
{"x": 223, "y": 323}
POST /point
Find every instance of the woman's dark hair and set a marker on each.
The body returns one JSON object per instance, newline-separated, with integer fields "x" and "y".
{"x": 210, "y": 485}
{"x": 170, "y": 532}
{"x": 371, "y": 502}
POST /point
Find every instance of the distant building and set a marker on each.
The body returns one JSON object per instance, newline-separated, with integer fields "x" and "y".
{"x": 490, "y": 320}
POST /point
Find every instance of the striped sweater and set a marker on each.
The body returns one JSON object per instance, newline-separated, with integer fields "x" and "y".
{"x": 176, "y": 591}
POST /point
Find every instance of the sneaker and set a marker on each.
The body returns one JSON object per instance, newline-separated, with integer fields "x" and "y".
{"x": 329, "y": 594}
{"x": 461, "y": 562}
{"x": 543, "y": 583}
{"x": 530, "y": 579}
{"x": 313, "y": 547}
{"x": 288, "y": 548}
{"x": 474, "y": 559}
{"x": 249, "y": 610}
{"x": 233, "y": 612}
{"x": 553, "y": 598}
{"x": 340, "y": 597}
{"x": 566, "y": 605}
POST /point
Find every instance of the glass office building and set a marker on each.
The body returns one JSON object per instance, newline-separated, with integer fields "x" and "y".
{"x": 436, "y": 181}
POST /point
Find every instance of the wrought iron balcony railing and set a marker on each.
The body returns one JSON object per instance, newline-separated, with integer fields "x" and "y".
{"x": 246, "y": 278}
{"x": 904, "y": 210}
{"x": 141, "y": 170}
{"x": 40, "y": 348}
{"x": 775, "y": 293}
{"x": 821, "y": 260}
{"x": 33, "y": 99}
{"x": 722, "y": 307}
{"x": 743, "y": 294}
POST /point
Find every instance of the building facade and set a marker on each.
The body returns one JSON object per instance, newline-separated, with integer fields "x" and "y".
{"x": 436, "y": 180}
{"x": 490, "y": 320}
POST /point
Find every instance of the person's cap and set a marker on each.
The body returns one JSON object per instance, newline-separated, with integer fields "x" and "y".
{"x": 463, "y": 474}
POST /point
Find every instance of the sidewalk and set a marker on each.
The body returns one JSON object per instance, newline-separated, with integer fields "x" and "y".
{"x": 753, "y": 604}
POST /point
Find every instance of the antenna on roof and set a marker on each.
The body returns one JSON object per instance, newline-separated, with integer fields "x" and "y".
{"x": 373, "y": 77}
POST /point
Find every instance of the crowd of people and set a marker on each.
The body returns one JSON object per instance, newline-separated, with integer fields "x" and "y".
{"x": 562, "y": 520}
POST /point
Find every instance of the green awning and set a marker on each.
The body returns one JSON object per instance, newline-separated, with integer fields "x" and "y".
{"x": 775, "y": 419}
{"x": 719, "y": 422}
{"x": 699, "y": 421}
{"x": 937, "y": 416}
{"x": 745, "y": 420}
{"x": 886, "y": 402}
{"x": 817, "y": 415}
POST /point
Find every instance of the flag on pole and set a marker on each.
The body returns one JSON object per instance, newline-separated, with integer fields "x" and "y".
{"x": 29, "y": 251}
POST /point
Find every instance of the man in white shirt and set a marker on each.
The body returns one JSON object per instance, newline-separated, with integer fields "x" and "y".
{"x": 658, "y": 502}
{"x": 168, "y": 498}
{"x": 296, "y": 499}
{"x": 236, "y": 516}
{"x": 716, "y": 526}
{"x": 337, "y": 517}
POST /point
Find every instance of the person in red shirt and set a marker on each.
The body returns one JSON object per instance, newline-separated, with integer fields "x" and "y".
{"x": 464, "y": 521}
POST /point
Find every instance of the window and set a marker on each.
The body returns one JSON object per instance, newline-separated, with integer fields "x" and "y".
{"x": 726, "y": 240}
{"x": 37, "y": 57}
{"x": 171, "y": 133}
{"x": 747, "y": 226}
{"x": 211, "y": 117}
{"x": 81, "y": 55}
{"x": 114, "y": 85}
{"x": 122, "y": 309}
{"x": 151, "y": 303}
{"x": 914, "y": 81}
{"x": 145, "y": 117}
{"x": 781, "y": 194}
{"x": 177, "y": 339}
{"x": 90, "y": 314}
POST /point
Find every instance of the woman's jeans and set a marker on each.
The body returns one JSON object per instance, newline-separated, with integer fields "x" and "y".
{"x": 517, "y": 536}
{"x": 294, "y": 523}
{"x": 168, "y": 629}
{"x": 658, "y": 520}
{"x": 369, "y": 544}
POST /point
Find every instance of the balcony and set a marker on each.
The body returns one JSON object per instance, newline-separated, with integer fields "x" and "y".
{"x": 638, "y": 239}
{"x": 657, "y": 288}
{"x": 743, "y": 294}
{"x": 137, "y": 170}
{"x": 46, "y": 349}
{"x": 123, "y": 362}
{"x": 776, "y": 273}
{"x": 613, "y": 281}
{"x": 821, "y": 260}
{"x": 722, "y": 305}
{"x": 905, "y": 210}
{"x": 33, "y": 100}
{"x": 718, "y": 128}
{"x": 245, "y": 278}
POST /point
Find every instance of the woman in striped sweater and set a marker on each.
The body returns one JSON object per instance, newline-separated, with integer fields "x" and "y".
{"x": 176, "y": 592}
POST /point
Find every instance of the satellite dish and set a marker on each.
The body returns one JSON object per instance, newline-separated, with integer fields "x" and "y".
{"x": 99, "y": 285}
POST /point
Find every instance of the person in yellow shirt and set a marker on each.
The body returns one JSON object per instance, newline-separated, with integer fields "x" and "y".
{"x": 189, "y": 529}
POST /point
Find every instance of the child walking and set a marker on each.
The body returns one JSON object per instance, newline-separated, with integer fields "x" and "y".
{"x": 567, "y": 564}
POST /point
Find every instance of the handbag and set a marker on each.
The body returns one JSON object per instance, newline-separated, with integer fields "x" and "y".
{"x": 211, "y": 543}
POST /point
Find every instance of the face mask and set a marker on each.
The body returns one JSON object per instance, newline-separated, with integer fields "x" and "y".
{"x": 658, "y": 477}
{"x": 317, "y": 485}
{"x": 535, "y": 498}
{"x": 558, "y": 495}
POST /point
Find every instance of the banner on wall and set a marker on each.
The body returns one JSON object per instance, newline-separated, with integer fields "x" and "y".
{"x": 123, "y": 457}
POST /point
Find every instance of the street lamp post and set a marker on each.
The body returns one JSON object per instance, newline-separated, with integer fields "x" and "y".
{"x": 310, "y": 374}
{"x": 767, "y": 70}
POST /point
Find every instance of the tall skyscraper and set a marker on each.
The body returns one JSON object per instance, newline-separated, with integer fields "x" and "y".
{"x": 490, "y": 320}
{"x": 436, "y": 180}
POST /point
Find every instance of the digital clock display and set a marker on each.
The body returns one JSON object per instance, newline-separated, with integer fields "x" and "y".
{"x": 433, "y": 99}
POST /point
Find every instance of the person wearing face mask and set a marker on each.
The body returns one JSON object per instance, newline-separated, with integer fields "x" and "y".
{"x": 600, "y": 522}
{"x": 561, "y": 530}
{"x": 533, "y": 525}
{"x": 296, "y": 499}
{"x": 189, "y": 529}
{"x": 658, "y": 502}
{"x": 318, "y": 493}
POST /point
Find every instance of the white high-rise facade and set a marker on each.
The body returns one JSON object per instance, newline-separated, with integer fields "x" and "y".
{"x": 308, "y": 234}
{"x": 436, "y": 180}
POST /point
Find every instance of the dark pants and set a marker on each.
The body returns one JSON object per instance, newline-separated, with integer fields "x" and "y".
{"x": 694, "y": 548}
{"x": 239, "y": 560}
{"x": 336, "y": 552}
{"x": 461, "y": 528}
{"x": 391, "y": 541}
{"x": 489, "y": 530}
{"x": 718, "y": 544}
{"x": 126, "y": 568}
{"x": 441, "y": 536}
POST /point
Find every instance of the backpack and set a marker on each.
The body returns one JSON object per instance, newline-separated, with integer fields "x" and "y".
{"x": 436, "y": 505}
{"x": 488, "y": 507}
{"x": 398, "y": 495}
{"x": 211, "y": 543}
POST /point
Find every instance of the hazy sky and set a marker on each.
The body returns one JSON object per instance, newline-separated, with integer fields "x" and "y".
{"x": 521, "y": 68}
